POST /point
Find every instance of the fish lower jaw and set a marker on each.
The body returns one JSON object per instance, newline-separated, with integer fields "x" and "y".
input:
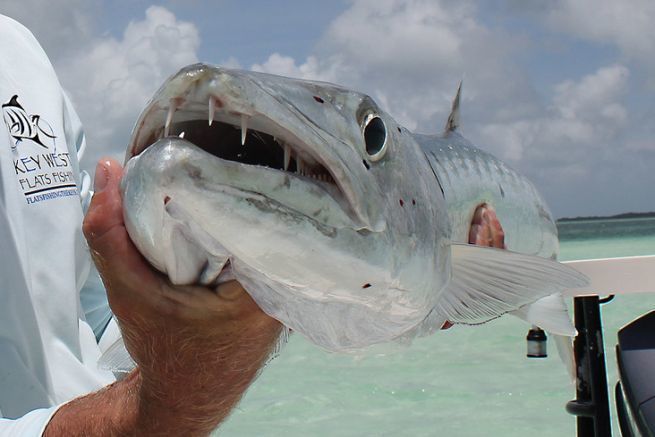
{"x": 290, "y": 198}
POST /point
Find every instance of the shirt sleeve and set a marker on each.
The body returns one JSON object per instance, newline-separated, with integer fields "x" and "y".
{"x": 93, "y": 297}
{"x": 31, "y": 424}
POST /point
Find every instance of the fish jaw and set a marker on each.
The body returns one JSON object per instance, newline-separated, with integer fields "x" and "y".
{"x": 174, "y": 181}
{"x": 204, "y": 103}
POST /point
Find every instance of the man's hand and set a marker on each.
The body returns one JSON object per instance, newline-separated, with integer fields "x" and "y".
{"x": 196, "y": 349}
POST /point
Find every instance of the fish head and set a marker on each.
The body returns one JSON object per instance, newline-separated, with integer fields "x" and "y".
{"x": 324, "y": 206}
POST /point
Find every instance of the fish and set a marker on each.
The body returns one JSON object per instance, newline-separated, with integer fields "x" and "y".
{"x": 339, "y": 222}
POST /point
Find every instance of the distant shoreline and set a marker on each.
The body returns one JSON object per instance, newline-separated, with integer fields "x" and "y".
{"x": 625, "y": 215}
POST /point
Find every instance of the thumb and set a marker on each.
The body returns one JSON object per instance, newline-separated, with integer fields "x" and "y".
{"x": 118, "y": 261}
{"x": 105, "y": 210}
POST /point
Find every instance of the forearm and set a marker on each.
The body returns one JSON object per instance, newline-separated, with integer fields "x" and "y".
{"x": 199, "y": 384}
{"x": 124, "y": 409}
{"x": 114, "y": 410}
{"x": 187, "y": 392}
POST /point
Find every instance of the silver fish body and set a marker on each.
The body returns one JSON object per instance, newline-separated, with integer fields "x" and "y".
{"x": 339, "y": 222}
{"x": 470, "y": 177}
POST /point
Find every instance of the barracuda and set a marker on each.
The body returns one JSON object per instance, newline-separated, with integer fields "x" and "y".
{"x": 339, "y": 222}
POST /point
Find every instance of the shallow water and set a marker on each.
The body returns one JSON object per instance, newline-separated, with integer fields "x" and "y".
{"x": 467, "y": 381}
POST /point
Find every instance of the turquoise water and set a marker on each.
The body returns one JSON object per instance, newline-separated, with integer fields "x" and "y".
{"x": 467, "y": 381}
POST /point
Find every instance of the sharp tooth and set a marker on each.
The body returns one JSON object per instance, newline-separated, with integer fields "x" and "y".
{"x": 244, "y": 128}
{"x": 287, "y": 156}
{"x": 212, "y": 110}
{"x": 169, "y": 118}
{"x": 181, "y": 135}
{"x": 299, "y": 165}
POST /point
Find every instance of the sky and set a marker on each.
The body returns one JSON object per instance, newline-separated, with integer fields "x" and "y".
{"x": 562, "y": 90}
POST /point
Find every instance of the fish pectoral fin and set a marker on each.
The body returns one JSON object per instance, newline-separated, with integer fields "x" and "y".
{"x": 488, "y": 282}
{"x": 185, "y": 263}
{"x": 195, "y": 256}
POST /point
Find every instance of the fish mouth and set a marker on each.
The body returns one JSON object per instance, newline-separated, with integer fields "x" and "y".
{"x": 233, "y": 130}
{"x": 237, "y": 143}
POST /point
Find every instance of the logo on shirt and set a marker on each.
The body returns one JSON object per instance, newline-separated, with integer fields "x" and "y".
{"x": 42, "y": 172}
{"x": 23, "y": 126}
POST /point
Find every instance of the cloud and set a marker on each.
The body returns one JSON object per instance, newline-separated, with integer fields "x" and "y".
{"x": 583, "y": 115}
{"x": 410, "y": 57}
{"x": 113, "y": 79}
{"x": 61, "y": 27}
{"x": 572, "y": 140}
{"x": 593, "y": 99}
{"x": 286, "y": 66}
{"x": 575, "y": 151}
{"x": 628, "y": 25}
{"x": 414, "y": 34}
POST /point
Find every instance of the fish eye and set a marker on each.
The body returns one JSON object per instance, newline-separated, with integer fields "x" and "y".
{"x": 375, "y": 137}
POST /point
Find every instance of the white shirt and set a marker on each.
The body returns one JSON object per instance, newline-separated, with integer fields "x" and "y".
{"x": 48, "y": 352}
